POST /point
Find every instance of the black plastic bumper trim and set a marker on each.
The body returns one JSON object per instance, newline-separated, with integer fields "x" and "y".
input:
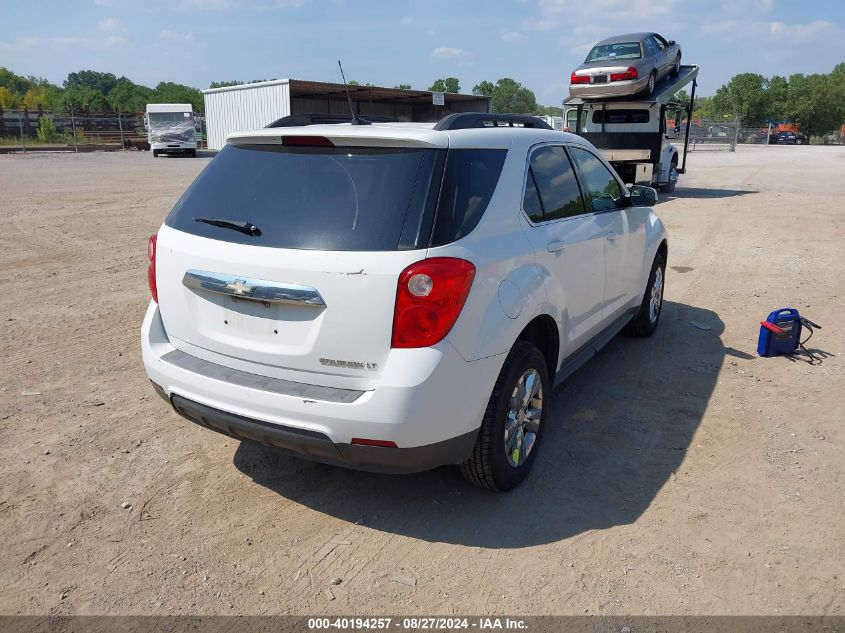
{"x": 318, "y": 447}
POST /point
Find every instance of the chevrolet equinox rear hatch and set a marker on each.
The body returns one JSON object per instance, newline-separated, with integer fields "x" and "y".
{"x": 283, "y": 259}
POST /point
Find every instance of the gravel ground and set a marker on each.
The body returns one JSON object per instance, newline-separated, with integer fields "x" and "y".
{"x": 680, "y": 474}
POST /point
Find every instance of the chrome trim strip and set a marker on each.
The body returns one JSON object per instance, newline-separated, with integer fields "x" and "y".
{"x": 195, "y": 365}
{"x": 253, "y": 289}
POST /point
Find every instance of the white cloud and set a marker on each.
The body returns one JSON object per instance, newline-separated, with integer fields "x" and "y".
{"x": 407, "y": 20}
{"x": 109, "y": 24}
{"x": 563, "y": 13}
{"x": 63, "y": 45}
{"x": 804, "y": 32}
{"x": 766, "y": 5}
{"x": 733, "y": 30}
{"x": 445, "y": 52}
{"x": 182, "y": 39}
{"x": 209, "y": 5}
{"x": 513, "y": 36}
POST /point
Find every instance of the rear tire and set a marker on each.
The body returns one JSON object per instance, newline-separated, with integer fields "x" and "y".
{"x": 652, "y": 80}
{"x": 647, "y": 318}
{"x": 512, "y": 427}
{"x": 155, "y": 153}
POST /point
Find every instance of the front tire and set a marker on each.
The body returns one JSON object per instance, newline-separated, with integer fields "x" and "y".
{"x": 676, "y": 69}
{"x": 512, "y": 427}
{"x": 647, "y": 318}
{"x": 155, "y": 153}
{"x": 669, "y": 187}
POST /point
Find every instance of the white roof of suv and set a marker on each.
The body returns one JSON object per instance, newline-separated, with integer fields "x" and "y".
{"x": 408, "y": 134}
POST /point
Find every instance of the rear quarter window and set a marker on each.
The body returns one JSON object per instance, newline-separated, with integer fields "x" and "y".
{"x": 469, "y": 180}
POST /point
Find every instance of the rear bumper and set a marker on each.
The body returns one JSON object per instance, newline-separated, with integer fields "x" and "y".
{"x": 319, "y": 448}
{"x": 607, "y": 90}
{"x": 429, "y": 402}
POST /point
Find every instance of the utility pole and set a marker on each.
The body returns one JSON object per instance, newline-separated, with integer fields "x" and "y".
{"x": 120, "y": 124}
{"x": 73, "y": 127}
{"x": 21, "y": 111}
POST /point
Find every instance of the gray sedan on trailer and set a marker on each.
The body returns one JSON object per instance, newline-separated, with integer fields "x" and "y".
{"x": 625, "y": 65}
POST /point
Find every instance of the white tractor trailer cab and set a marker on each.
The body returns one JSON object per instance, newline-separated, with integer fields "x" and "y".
{"x": 171, "y": 128}
{"x": 635, "y": 133}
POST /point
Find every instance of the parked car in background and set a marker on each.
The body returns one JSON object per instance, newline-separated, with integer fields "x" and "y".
{"x": 625, "y": 65}
{"x": 787, "y": 137}
{"x": 292, "y": 305}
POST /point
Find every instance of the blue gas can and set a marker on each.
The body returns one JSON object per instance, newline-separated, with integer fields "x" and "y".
{"x": 785, "y": 337}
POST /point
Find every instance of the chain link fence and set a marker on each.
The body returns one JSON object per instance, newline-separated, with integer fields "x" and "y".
{"x": 86, "y": 131}
{"x": 713, "y": 135}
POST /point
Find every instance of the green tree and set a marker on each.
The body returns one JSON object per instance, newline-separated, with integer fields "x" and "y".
{"x": 745, "y": 96}
{"x": 9, "y": 100}
{"x": 169, "y": 92}
{"x": 225, "y": 84}
{"x": 83, "y": 98}
{"x": 449, "y": 84}
{"x": 47, "y": 132}
{"x": 101, "y": 82}
{"x": 127, "y": 96}
{"x": 15, "y": 83}
{"x": 403, "y": 87}
{"x": 508, "y": 96}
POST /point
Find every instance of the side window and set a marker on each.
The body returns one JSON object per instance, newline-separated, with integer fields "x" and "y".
{"x": 650, "y": 47}
{"x": 605, "y": 191}
{"x": 469, "y": 181}
{"x": 552, "y": 178}
{"x": 658, "y": 45}
{"x": 531, "y": 201}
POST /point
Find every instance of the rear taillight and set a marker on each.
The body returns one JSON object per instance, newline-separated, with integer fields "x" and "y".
{"x": 151, "y": 269}
{"x": 579, "y": 79}
{"x": 429, "y": 298}
{"x": 631, "y": 73}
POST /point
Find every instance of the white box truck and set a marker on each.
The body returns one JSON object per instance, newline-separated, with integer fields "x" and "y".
{"x": 171, "y": 129}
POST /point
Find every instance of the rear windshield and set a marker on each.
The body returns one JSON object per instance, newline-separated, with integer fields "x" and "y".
{"x": 610, "y": 52}
{"x": 340, "y": 198}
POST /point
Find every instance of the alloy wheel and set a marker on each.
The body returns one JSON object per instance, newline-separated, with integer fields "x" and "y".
{"x": 523, "y": 418}
{"x": 656, "y": 299}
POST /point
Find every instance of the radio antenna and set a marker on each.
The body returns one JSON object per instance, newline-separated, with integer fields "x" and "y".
{"x": 356, "y": 120}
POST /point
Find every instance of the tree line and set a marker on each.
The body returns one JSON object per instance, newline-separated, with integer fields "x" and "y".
{"x": 815, "y": 102}
{"x": 90, "y": 90}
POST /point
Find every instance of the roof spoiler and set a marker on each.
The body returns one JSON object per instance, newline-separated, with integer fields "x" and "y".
{"x": 466, "y": 120}
{"x": 299, "y": 120}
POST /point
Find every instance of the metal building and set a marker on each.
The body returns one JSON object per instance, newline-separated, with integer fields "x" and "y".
{"x": 252, "y": 106}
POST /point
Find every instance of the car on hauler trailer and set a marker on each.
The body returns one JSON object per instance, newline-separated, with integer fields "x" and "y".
{"x": 394, "y": 297}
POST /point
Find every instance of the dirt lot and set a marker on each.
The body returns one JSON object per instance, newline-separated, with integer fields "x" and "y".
{"x": 680, "y": 474}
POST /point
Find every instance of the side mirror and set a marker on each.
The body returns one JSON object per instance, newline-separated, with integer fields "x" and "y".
{"x": 642, "y": 196}
{"x": 671, "y": 42}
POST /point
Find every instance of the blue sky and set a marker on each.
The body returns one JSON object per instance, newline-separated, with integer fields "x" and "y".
{"x": 537, "y": 42}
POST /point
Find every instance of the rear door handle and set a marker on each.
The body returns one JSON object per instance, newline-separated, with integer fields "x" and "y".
{"x": 611, "y": 236}
{"x": 555, "y": 246}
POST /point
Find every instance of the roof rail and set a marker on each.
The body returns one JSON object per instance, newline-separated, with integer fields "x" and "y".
{"x": 298, "y": 120}
{"x": 466, "y": 120}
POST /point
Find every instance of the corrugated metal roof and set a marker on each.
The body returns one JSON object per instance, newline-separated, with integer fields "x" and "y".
{"x": 306, "y": 88}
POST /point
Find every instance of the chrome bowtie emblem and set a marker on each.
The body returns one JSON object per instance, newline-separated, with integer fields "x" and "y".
{"x": 239, "y": 287}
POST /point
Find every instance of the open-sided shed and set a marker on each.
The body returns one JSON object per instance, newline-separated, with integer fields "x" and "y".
{"x": 252, "y": 106}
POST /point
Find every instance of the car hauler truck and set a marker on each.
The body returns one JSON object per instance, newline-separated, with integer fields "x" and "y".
{"x": 635, "y": 132}
{"x": 170, "y": 128}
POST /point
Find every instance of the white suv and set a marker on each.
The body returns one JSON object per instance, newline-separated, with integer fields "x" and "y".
{"x": 395, "y": 297}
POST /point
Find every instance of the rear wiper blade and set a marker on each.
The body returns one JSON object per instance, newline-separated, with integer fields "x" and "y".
{"x": 244, "y": 227}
